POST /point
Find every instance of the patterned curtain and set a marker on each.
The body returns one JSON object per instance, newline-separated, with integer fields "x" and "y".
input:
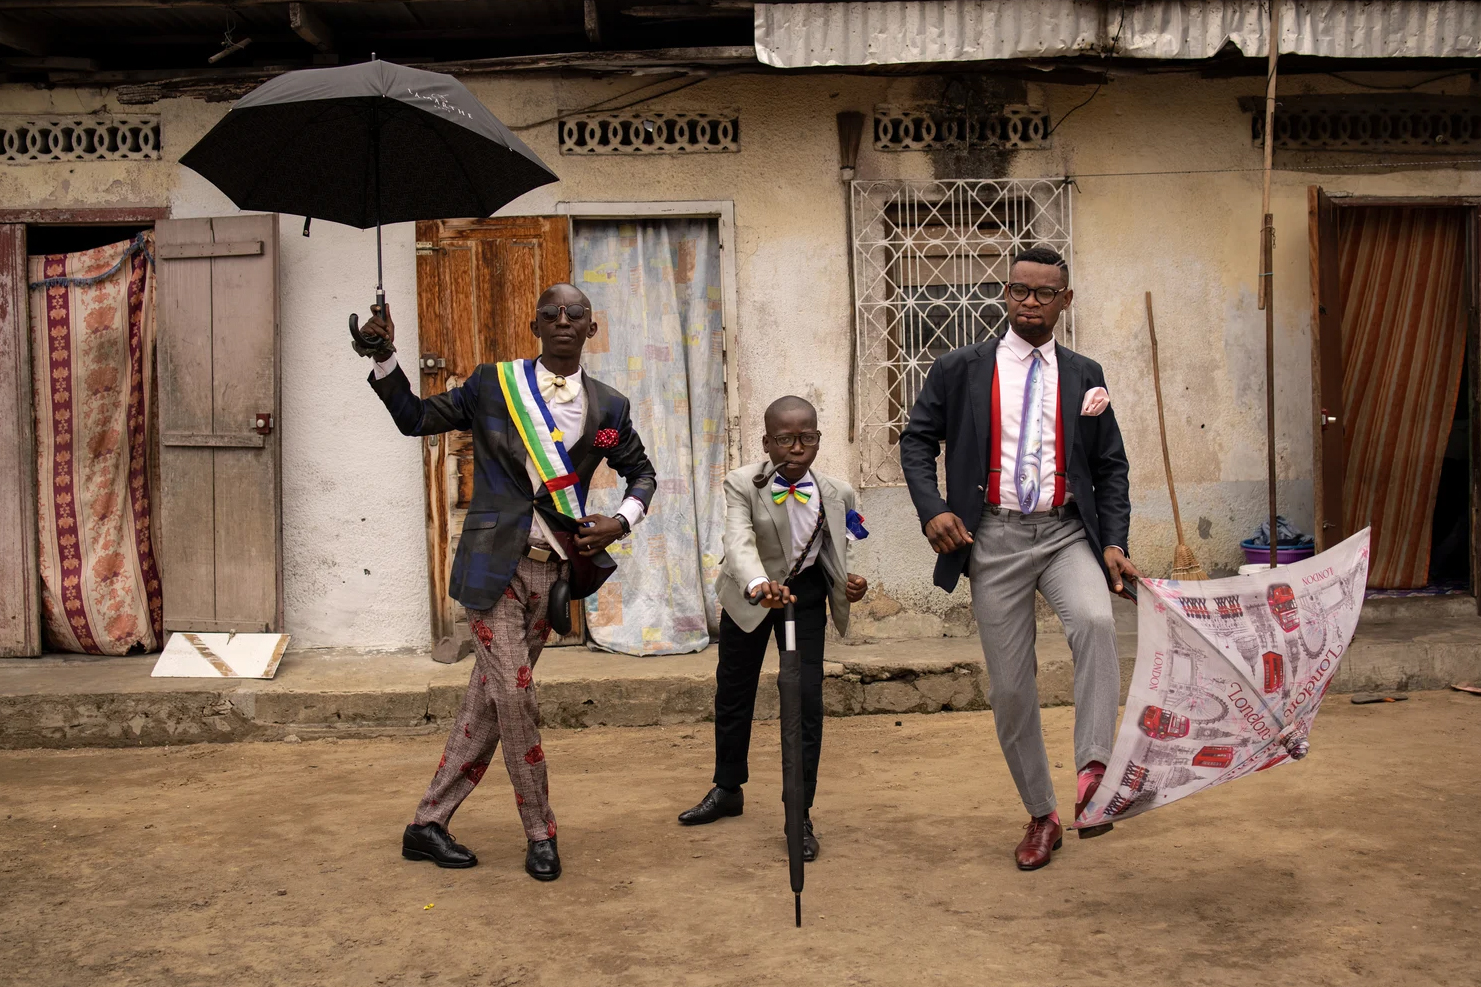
{"x": 92, "y": 353}
{"x": 655, "y": 287}
{"x": 1403, "y": 340}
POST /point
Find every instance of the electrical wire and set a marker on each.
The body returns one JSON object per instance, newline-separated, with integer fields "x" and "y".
{"x": 1115, "y": 42}
{"x": 597, "y": 107}
{"x": 1367, "y": 85}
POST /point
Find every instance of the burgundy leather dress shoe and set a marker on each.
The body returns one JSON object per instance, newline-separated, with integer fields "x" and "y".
{"x": 1087, "y": 832}
{"x": 1044, "y": 836}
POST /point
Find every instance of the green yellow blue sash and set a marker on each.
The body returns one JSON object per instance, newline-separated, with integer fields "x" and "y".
{"x": 543, "y": 441}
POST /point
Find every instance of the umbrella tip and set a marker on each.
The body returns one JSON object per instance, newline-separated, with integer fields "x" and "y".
{"x": 797, "y": 900}
{"x": 374, "y": 57}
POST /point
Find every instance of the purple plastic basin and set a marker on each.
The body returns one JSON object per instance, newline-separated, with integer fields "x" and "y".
{"x": 1260, "y": 554}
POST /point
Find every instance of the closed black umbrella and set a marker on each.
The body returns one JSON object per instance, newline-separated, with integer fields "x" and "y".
{"x": 794, "y": 786}
{"x": 365, "y": 145}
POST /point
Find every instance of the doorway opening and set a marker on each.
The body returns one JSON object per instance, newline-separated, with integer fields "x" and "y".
{"x": 1394, "y": 335}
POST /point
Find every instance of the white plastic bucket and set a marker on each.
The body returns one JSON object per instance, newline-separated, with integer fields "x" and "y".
{"x": 1256, "y": 567}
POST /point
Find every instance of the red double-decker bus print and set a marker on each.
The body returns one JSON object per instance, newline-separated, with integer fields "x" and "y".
{"x": 1282, "y": 601}
{"x": 1275, "y": 671}
{"x": 1163, "y": 724}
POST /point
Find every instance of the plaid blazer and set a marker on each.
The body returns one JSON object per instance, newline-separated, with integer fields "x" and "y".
{"x": 497, "y": 527}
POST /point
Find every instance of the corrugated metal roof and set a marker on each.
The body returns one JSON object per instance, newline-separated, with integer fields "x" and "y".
{"x": 799, "y": 35}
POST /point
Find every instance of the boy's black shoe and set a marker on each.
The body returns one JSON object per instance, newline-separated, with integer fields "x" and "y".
{"x": 810, "y": 847}
{"x": 716, "y": 805}
{"x": 542, "y": 862}
{"x": 432, "y": 842}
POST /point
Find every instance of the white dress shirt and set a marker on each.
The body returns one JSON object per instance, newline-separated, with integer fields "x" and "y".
{"x": 1015, "y": 356}
{"x": 567, "y": 406}
{"x": 802, "y": 518}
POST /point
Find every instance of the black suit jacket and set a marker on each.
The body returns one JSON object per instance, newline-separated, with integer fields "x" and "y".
{"x": 954, "y": 407}
{"x": 497, "y": 527}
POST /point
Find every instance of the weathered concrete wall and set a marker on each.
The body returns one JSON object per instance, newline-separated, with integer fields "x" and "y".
{"x": 1190, "y": 238}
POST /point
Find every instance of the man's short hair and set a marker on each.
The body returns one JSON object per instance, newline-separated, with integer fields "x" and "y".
{"x": 1042, "y": 255}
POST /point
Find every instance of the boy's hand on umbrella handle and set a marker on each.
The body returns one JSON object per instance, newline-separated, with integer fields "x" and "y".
{"x": 1120, "y": 569}
{"x": 377, "y": 337}
{"x": 855, "y": 588}
{"x": 772, "y": 595}
{"x": 947, "y": 533}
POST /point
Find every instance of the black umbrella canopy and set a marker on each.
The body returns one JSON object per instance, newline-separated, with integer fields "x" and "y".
{"x": 364, "y": 145}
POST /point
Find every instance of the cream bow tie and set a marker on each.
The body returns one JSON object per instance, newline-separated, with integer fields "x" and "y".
{"x": 556, "y": 389}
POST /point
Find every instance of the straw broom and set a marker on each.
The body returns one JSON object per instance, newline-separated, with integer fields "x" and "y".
{"x": 1184, "y": 564}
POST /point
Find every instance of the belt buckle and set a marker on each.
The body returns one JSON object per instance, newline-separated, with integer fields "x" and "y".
{"x": 539, "y": 554}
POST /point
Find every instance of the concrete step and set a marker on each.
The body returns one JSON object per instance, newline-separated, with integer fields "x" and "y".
{"x": 77, "y": 701}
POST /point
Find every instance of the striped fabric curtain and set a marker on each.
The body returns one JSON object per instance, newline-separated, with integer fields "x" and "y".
{"x": 1404, "y": 340}
{"x": 92, "y": 352}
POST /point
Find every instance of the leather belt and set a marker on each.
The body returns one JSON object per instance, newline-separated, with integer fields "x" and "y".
{"x": 1057, "y": 513}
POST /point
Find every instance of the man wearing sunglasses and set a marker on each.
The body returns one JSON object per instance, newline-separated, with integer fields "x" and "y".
{"x": 788, "y": 532}
{"x": 1037, "y": 498}
{"x": 540, "y": 429}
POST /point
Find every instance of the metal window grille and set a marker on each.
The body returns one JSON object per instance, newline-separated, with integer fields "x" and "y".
{"x": 95, "y": 137}
{"x": 930, "y": 261}
{"x": 649, "y": 132}
{"x": 1016, "y": 128}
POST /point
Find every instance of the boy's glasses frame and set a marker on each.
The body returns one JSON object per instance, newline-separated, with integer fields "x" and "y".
{"x": 789, "y": 439}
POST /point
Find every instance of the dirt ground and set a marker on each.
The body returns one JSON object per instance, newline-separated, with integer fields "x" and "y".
{"x": 251, "y": 863}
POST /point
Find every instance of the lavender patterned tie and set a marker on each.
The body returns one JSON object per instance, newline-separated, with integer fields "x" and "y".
{"x": 1026, "y": 474}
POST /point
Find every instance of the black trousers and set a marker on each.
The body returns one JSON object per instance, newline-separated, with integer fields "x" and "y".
{"x": 739, "y": 670}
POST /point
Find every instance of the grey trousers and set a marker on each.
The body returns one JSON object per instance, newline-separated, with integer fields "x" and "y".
{"x": 1012, "y": 555}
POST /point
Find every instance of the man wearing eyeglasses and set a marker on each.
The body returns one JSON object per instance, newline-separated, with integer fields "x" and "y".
{"x": 788, "y": 531}
{"x": 1037, "y": 498}
{"x": 540, "y": 429}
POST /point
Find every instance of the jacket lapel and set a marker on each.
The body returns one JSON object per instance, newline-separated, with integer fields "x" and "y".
{"x": 835, "y": 525}
{"x": 779, "y": 518}
{"x": 979, "y": 383}
{"x": 1071, "y": 396}
{"x": 591, "y": 415}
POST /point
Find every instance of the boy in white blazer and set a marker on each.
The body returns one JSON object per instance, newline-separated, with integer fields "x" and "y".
{"x": 788, "y": 532}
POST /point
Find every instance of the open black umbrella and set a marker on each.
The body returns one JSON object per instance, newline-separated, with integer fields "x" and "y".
{"x": 364, "y": 145}
{"x": 794, "y": 786}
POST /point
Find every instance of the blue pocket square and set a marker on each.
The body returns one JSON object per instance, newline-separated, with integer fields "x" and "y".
{"x": 855, "y": 523}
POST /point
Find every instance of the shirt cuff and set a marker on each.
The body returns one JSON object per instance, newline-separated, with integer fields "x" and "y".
{"x": 632, "y": 509}
{"x": 383, "y": 370}
{"x": 751, "y": 586}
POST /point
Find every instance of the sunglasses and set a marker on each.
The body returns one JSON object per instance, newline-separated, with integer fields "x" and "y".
{"x": 788, "y": 439}
{"x": 552, "y": 312}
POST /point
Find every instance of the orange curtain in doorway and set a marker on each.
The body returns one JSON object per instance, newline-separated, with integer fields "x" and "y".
{"x": 1404, "y": 340}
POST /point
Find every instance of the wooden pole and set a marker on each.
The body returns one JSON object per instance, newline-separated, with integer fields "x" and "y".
{"x": 1267, "y": 269}
{"x": 1177, "y": 519}
{"x": 1274, "y": 50}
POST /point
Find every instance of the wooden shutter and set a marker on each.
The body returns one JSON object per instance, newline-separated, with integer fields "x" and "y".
{"x": 220, "y": 541}
{"x": 477, "y": 285}
{"x": 1328, "y": 419}
{"x": 20, "y": 606}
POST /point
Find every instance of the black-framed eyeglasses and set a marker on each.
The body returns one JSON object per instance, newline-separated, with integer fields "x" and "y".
{"x": 1019, "y": 292}
{"x": 789, "y": 439}
{"x": 550, "y": 313}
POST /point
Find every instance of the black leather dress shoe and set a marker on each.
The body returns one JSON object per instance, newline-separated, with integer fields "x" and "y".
{"x": 810, "y": 846}
{"x": 432, "y": 842}
{"x": 542, "y": 862}
{"x": 716, "y": 805}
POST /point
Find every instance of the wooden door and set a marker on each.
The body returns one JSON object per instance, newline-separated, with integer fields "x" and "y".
{"x": 20, "y": 602}
{"x": 220, "y": 536}
{"x": 477, "y": 285}
{"x": 1326, "y": 371}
